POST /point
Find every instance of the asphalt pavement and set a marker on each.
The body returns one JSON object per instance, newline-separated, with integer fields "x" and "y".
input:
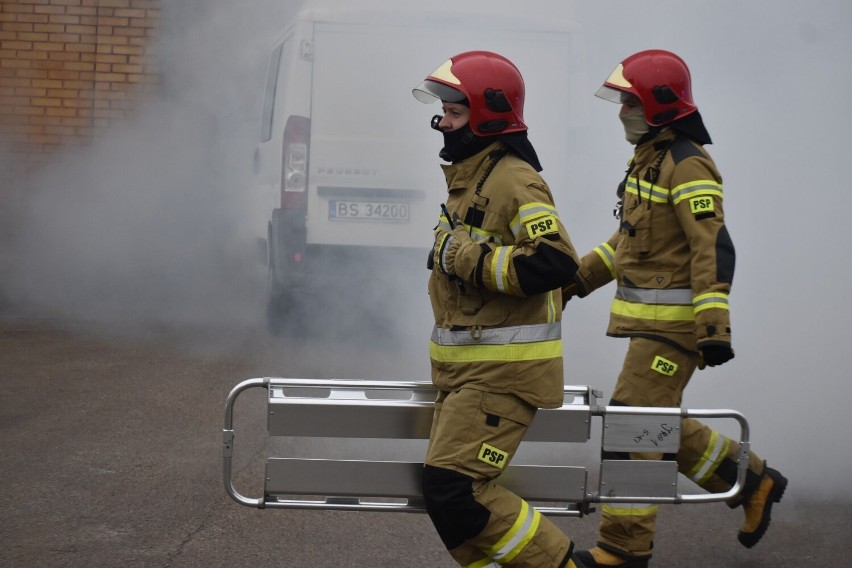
{"x": 112, "y": 456}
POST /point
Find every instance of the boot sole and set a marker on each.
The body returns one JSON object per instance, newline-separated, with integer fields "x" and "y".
{"x": 583, "y": 559}
{"x": 779, "y": 486}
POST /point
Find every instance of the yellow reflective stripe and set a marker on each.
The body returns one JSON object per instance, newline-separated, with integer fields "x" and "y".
{"x": 551, "y": 307}
{"x": 481, "y": 563}
{"x": 607, "y": 254}
{"x": 630, "y": 509}
{"x": 512, "y": 352}
{"x": 716, "y": 450}
{"x": 696, "y": 188}
{"x": 710, "y": 300}
{"x": 517, "y": 537}
{"x": 655, "y": 312}
{"x": 500, "y": 268}
{"x": 653, "y": 192}
{"x": 515, "y": 225}
{"x": 479, "y": 235}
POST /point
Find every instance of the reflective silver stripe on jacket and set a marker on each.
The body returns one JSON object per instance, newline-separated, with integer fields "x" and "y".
{"x": 676, "y": 296}
{"x": 499, "y": 335}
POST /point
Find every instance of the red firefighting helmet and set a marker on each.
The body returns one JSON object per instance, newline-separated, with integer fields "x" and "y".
{"x": 661, "y": 81}
{"x": 491, "y": 84}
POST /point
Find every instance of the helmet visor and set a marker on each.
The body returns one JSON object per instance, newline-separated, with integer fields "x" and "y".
{"x": 616, "y": 86}
{"x": 430, "y": 91}
{"x": 617, "y": 96}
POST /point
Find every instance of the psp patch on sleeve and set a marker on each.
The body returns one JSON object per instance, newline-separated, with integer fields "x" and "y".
{"x": 546, "y": 225}
{"x": 700, "y": 205}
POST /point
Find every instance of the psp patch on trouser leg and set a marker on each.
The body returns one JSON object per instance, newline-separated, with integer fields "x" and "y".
{"x": 493, "y": 456}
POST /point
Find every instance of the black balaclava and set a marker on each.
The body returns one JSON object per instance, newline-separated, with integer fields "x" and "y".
{"x": 462, "y": 144}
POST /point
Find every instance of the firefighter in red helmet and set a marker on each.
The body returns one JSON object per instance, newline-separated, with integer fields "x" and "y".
{"x": 673, "y": 263}
{"x": 499, "y": 262}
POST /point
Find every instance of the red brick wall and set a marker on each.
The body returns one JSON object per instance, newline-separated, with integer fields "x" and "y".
{"x": 68, "y": 70}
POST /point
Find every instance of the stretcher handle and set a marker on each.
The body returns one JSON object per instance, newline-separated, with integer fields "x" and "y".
{"x": 228, "y": 441}
{"x": 742, "y": 463}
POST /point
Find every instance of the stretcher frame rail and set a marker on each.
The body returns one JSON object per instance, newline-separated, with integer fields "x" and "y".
{"x": 351, "y": 409}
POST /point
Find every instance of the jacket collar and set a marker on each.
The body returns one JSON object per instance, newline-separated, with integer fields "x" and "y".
{"x": 459, "y": 175}
{"x": 649, "y": 149}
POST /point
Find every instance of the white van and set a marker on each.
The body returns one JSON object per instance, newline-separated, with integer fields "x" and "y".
{"x": 347, "y": 160}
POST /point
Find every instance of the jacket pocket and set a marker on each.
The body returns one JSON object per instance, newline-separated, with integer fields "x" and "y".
{"x": 480, "y": 308}
{"x": 508, "y": 407}
{"x": 637, "y": 226}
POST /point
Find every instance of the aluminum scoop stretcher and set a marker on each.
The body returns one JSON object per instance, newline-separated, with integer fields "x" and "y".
{"x": 341, "y": 416}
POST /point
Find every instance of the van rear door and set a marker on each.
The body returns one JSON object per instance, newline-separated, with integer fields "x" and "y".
{"x": 371, "y": 181}
{"x": 373, "y": 176}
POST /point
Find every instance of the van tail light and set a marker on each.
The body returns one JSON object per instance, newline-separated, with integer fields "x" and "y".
{"x": 294, "y": 169}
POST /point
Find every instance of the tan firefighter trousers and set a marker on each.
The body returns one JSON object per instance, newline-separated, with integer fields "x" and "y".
{"x": 655, "y": 374}
{"x": 474, "y": 436}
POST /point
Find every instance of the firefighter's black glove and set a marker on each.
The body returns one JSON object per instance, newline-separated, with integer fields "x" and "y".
{"x": 573, "y": 289}
{"x": 713, "y": 354}
{"x": 568, "y": 292}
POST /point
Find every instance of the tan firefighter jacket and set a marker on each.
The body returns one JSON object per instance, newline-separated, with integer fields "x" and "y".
{"x": 671, "y": 257}
{"x": 497, "y": 322}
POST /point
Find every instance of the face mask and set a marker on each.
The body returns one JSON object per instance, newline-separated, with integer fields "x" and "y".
{"x": 635, "y": 126}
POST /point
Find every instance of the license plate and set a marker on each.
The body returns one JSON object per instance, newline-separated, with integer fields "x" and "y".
{"x": 368, "y": 211}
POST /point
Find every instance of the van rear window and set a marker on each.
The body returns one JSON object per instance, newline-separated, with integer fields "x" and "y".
{"x": 269, "y": 94}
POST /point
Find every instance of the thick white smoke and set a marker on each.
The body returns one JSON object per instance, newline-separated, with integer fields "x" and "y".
{"x": 156, "y": 225}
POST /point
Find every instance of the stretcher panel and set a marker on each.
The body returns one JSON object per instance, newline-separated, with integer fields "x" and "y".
{"x": 641, "y": 479}
{"x": 641, "y": 433}
{"x": 391, "y": 479}
{"x": 401, "y": 412}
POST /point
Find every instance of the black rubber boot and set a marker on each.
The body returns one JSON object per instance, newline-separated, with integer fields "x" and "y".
{"x": 584, "y": 559}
